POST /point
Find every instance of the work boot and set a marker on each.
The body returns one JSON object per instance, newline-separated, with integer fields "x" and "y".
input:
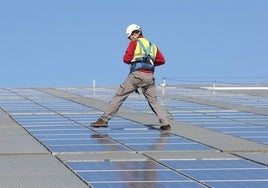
{"x": 99, "y": 123}
{"x": 165, "y": 128}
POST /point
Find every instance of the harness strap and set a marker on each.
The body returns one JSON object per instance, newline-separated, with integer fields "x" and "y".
{"x": 147, "y": 52}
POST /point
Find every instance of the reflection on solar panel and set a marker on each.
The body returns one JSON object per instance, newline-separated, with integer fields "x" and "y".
{"x": 130, "y": 174}
{"x": 132, "y": 153}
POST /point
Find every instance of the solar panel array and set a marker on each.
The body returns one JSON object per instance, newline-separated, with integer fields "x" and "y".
{"x": 241, "y": 124}
{"x": 62, "y": 126}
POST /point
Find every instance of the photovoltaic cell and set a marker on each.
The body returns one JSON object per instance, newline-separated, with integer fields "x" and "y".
{"x": 152, "y": 184}
{"x": 135, "y": 175}
{"x": 168, "y": 147}
{"x": 211, "y": 164}
{"x": 229, "y": 175}
{"x": 87, "y": 148}
{"x": 114, "y": 165}
{"x": 151, "y": 140}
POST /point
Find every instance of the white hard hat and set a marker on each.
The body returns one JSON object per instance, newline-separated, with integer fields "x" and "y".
{"x": 131, "y": 28}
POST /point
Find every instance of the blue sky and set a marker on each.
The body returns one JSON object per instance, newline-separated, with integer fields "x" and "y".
{"x": 47, "y": 43}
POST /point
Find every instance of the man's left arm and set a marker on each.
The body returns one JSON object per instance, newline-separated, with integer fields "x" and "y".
{"x": 129, "y": 54}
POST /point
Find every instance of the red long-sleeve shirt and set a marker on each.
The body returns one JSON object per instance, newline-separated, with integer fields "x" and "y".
{"x": 129, "y": 54}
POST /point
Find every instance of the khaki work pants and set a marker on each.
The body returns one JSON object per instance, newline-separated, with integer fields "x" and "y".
{"x": 136, "y": 80}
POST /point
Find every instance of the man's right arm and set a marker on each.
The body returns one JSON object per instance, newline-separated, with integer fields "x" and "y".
{"x": 159, "y": 59}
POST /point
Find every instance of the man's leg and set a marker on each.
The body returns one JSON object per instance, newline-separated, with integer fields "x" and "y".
{"x": 150, "y": 94}
{"x": 125, "y": 89}
{"x": 121, "y": 95}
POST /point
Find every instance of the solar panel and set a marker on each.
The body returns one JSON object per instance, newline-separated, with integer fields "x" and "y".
{"x": 234, "y": 173}
{"x": 129, "y": 173}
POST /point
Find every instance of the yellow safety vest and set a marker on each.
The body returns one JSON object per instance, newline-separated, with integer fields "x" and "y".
{"x": 144, "y": 56}
{"x": 140, "y": 53}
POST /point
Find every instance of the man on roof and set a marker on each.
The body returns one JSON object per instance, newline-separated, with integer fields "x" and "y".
{"x": 143, "y": 57}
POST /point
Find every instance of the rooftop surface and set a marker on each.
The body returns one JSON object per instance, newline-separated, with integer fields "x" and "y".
{"x": 219, "y": 138}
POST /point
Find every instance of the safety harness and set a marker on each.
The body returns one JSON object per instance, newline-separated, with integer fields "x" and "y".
{"x": 145, "y": 62}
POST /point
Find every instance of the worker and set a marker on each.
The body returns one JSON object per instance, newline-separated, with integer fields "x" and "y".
{"x": 143, "y": 57}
